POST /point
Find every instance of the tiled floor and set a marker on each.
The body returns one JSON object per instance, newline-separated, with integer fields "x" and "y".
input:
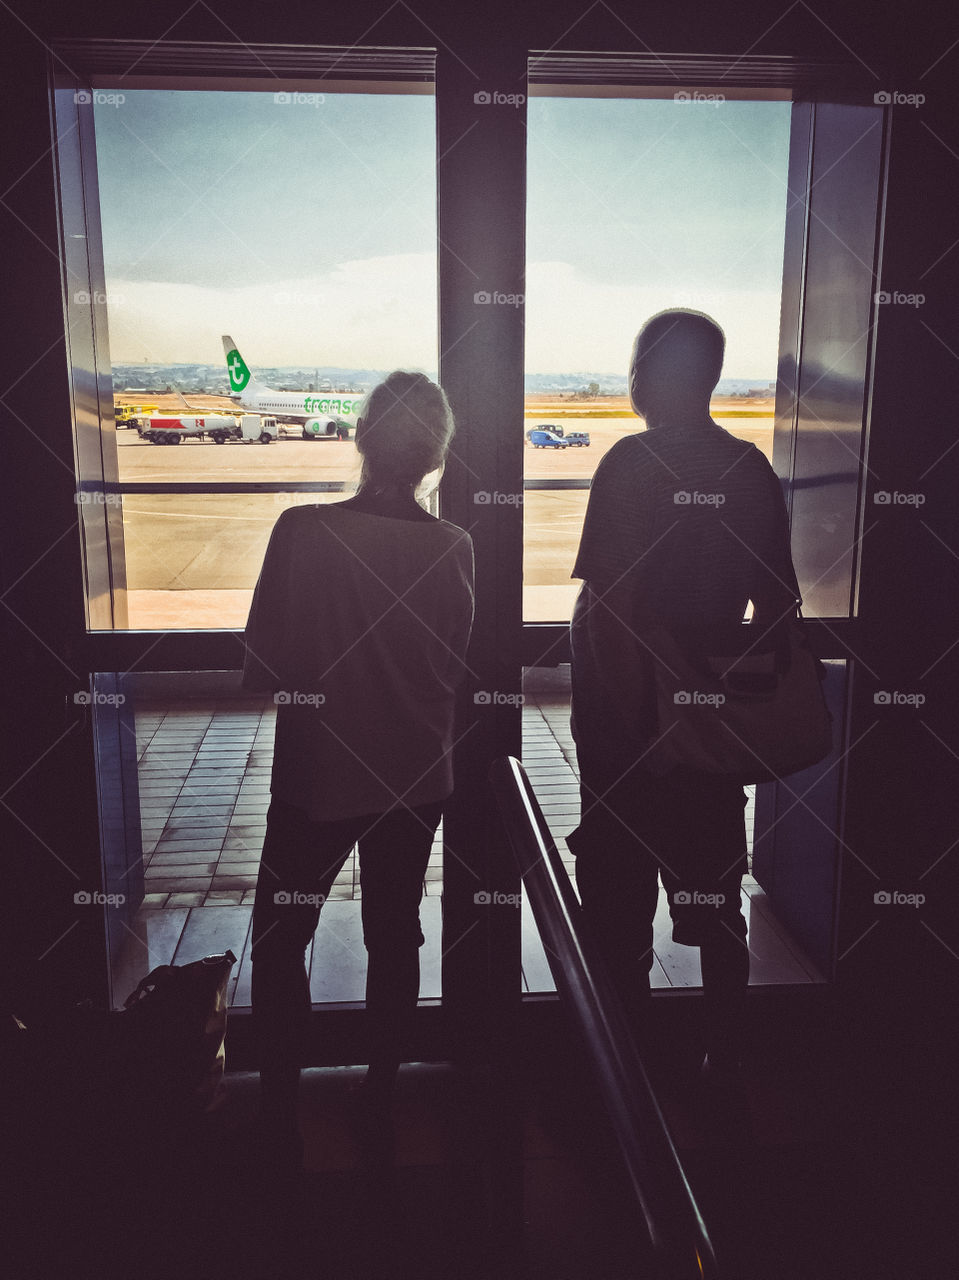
{"x": 204, "y": 778}
{"x": 204, "y": 774}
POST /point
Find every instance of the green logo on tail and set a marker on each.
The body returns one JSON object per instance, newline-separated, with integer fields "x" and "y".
{"x": 239, "y": 373}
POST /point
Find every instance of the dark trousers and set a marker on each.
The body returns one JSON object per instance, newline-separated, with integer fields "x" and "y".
{"x": 689, "y": 829}
{"x": 301, "y": 859}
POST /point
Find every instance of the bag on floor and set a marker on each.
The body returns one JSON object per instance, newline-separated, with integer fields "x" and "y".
{"x": 174, "y": 1026}
{"x": 159, "y": 1060}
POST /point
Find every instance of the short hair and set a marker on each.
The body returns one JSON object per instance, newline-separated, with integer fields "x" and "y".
{"x": 403, "y": 429}
{"x": 683, "y": 347}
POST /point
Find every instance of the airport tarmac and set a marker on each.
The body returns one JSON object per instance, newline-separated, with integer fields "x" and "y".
{"x": 192, "y": 560}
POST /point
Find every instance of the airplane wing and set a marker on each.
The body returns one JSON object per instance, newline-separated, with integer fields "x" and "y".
{"x": 192, "y": 407}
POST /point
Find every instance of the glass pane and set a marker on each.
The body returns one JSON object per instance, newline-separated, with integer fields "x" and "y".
{"x": 783, "y": 927}
{"x": 839, "y": 271}
{"x": 193, "y": 558}
{"x": 636, "y": 205}
{"x": 184, "y": 790}
{"x": 267, "y": 257}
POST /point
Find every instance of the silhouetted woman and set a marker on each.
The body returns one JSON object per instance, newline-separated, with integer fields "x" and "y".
{"x": 359, "y": 625}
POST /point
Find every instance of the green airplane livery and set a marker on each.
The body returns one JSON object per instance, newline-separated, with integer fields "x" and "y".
{"x": 327, "y": 416}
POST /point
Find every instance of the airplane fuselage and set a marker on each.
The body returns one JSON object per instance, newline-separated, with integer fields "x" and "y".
{"x": 321, "y": 414}
{"x": 301, "y": 405}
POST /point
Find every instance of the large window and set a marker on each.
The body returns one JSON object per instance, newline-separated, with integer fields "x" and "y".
{"x": 304, "y": 225}
{"x": 636, "y": 204}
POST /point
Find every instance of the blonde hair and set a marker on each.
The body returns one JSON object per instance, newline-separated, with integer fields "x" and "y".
{"x": 403, "y": 430}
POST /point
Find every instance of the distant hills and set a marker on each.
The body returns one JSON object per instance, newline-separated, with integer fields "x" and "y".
{"x": 614, "y": 384}
{"x": 211, "y": 379}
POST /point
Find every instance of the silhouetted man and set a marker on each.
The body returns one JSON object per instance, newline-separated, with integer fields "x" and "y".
{"x": 685, "y": 525}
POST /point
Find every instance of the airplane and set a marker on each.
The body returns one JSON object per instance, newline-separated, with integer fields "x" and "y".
{"x": 327, "y": 415}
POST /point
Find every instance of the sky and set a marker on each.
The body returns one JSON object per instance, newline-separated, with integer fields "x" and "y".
{"x": 307, "y": 230}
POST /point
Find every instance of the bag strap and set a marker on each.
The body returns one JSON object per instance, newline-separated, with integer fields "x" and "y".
{"x": 154, "y": 978}
{"x": 164, "y": 973}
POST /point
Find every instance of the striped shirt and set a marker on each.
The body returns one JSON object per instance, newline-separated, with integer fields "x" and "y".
{"x": 693, "y": 521}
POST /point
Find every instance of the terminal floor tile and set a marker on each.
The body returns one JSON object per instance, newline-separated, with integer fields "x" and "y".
{"x": 204, "y": 775}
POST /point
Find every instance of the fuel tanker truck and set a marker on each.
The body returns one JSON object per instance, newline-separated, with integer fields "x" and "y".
{"x": 218, "y": 427}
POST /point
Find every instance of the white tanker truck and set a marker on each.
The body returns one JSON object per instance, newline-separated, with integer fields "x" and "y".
{"x": 218, "y": 427}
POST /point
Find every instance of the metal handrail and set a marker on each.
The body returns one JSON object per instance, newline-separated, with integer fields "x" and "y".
{"x": 677, "y": 1233}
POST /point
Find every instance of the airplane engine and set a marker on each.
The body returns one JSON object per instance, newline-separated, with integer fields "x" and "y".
{"x": 316, "y": 428}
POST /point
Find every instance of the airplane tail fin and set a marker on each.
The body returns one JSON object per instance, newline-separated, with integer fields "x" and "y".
{"x": 240, "y": 375}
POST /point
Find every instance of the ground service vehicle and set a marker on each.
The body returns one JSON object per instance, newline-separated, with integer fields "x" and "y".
{"x": 540, "y": 439}
{"x": 218, "y": 427}
{"x": 256, "y": 427}
{"x": 128, "y": 415}
{"x": 577, "y": 438}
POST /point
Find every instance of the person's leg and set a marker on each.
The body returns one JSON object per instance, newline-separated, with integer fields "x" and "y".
{"x": 709, "y": 863}
{"x": 724, "y": 954}
{"x": 300, "y": 861}
{"x": 617, "y": 880}
{"x": 394, "y": 854}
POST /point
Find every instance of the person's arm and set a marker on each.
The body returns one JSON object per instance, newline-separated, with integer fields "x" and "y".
{"x": 461, "y": 606}
{"x": 620, "y": 658}
{"x": 611, "y": 560}
{"x": 775, "y": 593}
{"x": 267, "y": 620}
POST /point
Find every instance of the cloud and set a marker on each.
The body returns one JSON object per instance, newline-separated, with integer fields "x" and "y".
{"x": 377, "y": 312}
{"x": 380, "y": 312}
{"x": 573, "y": 322}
